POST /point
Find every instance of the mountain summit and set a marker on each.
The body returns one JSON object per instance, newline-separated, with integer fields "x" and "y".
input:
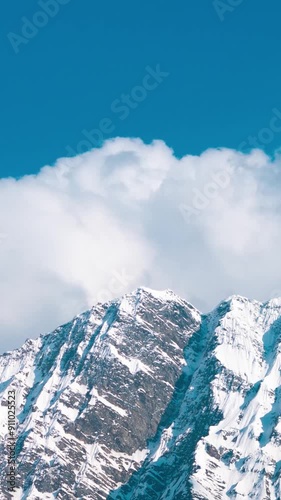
{"x": 145, "y": 398}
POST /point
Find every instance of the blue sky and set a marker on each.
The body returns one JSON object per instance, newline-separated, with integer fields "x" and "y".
{"x": 224, "y": 76}
{"x": 187, "y": 205}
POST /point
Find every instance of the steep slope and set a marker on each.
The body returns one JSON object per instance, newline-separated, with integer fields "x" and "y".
{"x": 144, "y": 398}
{"x": 225, "y": 435}
{"x": 90, "y": 394}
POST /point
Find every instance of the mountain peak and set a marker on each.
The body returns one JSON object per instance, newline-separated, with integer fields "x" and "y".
{"x": 240, "y": 299}
{"x": 144, "y": 397}
{"x": 166, "y": 294}
{"x": 162, "y": 295}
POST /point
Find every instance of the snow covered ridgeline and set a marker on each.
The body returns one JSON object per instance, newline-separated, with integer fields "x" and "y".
{"x": 91, "y": 393}
{"x": 224, "y": 437}
{"x": 144, "y": 398}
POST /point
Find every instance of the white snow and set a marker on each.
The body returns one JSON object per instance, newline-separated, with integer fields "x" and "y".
{"x": 133, "y": 364}
{"x": 97, "y": 397}
{"x": 244, "y": 388}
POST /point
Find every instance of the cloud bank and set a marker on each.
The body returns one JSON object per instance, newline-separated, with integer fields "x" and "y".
{"x": 129, "y": 214}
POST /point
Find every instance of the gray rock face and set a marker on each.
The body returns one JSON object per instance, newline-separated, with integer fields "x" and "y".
{"x": 144, "y": 398}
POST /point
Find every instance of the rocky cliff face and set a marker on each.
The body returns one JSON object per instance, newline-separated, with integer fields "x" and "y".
{"x": 145, "y": 398}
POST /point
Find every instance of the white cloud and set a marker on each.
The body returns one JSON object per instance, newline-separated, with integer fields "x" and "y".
{"x": 73, "y": 227}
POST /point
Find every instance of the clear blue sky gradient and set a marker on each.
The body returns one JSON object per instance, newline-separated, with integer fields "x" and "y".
{"x": 224, "y": 76}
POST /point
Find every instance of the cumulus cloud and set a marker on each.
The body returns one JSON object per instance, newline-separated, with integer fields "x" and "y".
{"x": 129, "y": 214}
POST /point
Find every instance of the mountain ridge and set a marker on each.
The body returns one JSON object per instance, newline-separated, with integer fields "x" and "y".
{"x": 144, "y": 397}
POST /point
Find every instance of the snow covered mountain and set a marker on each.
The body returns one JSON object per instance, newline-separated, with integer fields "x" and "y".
{"x": 145, "y": 398}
